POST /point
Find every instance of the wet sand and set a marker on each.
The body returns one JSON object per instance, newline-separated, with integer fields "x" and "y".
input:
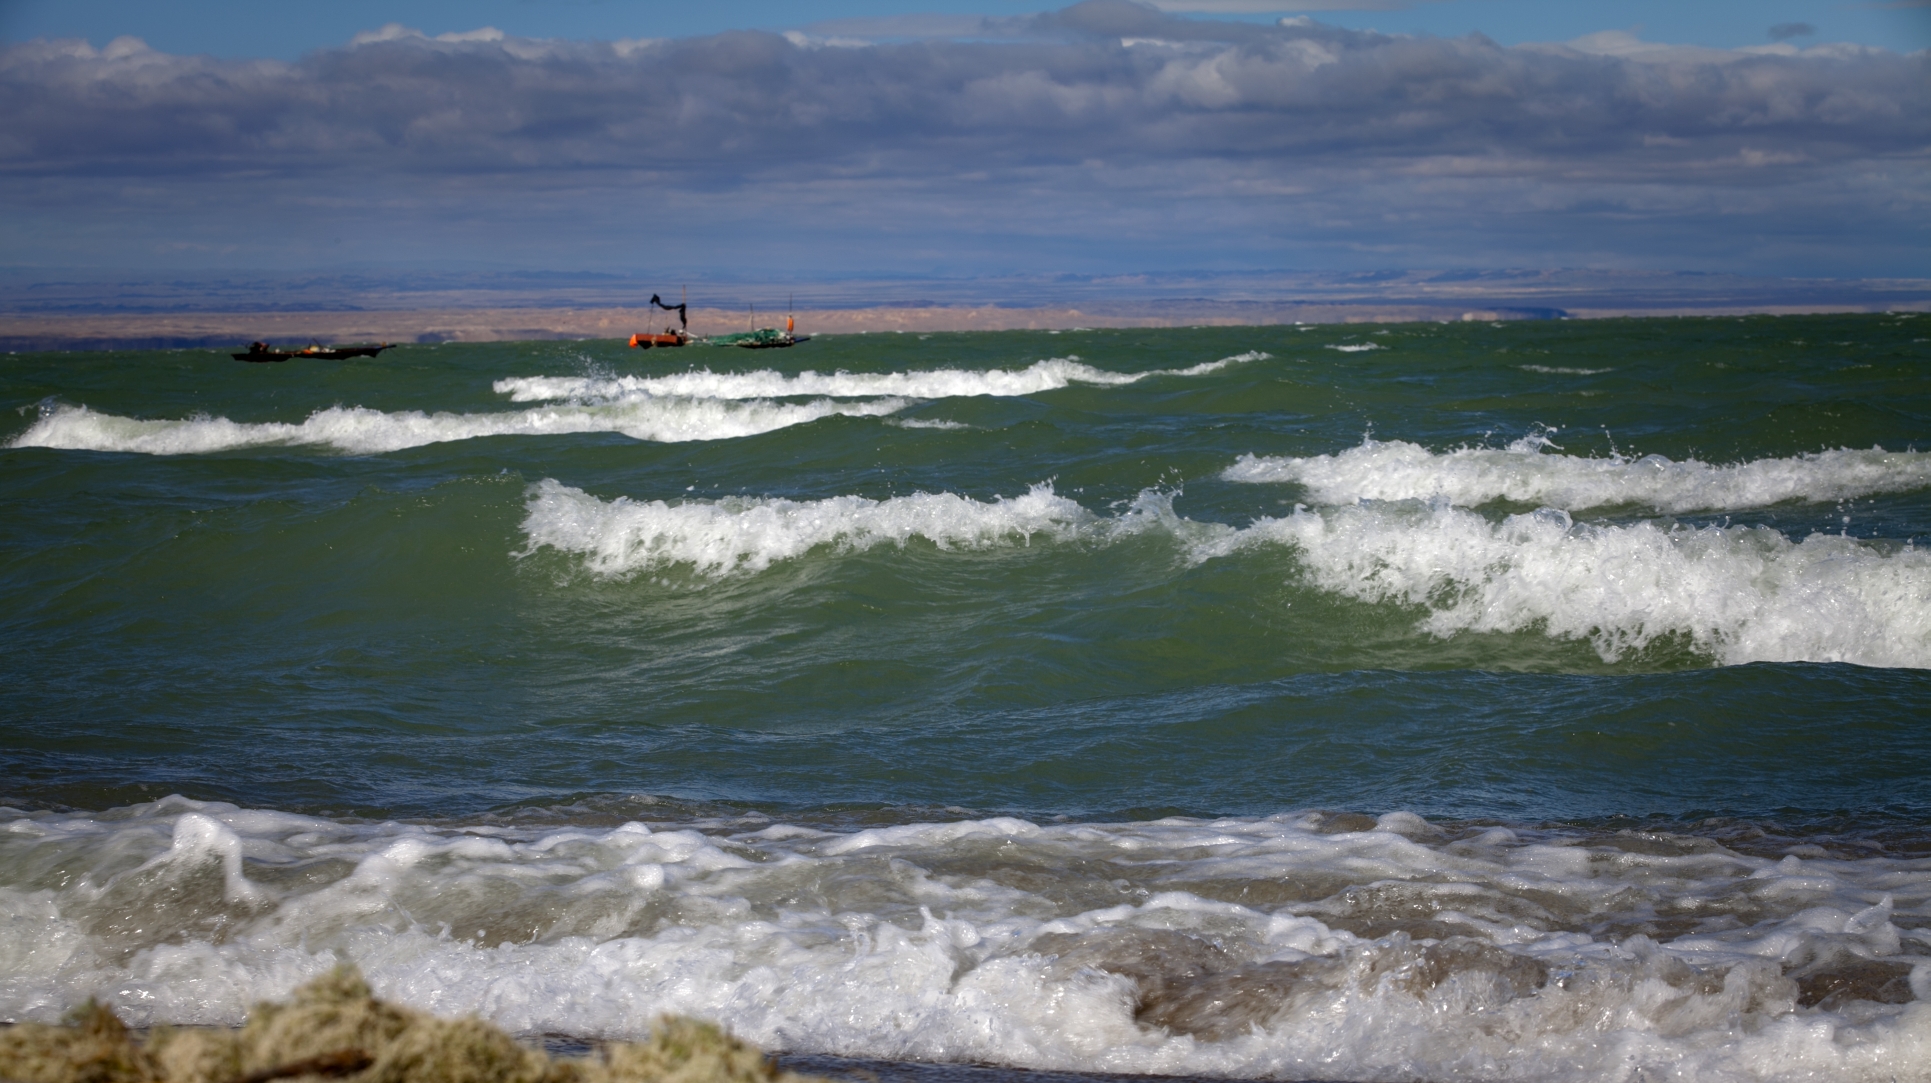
{"x": 856, "y": 1070}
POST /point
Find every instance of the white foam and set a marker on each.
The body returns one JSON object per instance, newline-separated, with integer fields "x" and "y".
{"x": 928, "y": 423}
{"x": 358, "y": 430}
{"x": 1358, "y": 348}
{"x": 1557, "y": 370}
{"x": 1734, "y": 594}
{"x": 1046, "y": 375}
{"x": 744, "y": 534}
{"x": 1737, "y": 594}
{"x": 1490, "y": 958}
{"x": 1525, "y": 473}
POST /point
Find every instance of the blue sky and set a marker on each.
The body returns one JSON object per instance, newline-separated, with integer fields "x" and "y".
{"x": 976, "y": 137}
{"x": 287, "y": 28}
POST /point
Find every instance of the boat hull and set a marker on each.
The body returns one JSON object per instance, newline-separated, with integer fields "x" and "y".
{"x": 764, "y": 338}
{"x": 259, "y": 353}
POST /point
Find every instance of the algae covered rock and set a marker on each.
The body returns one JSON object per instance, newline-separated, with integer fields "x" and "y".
{"x": 334, "y": 1028}
{"x": 688, "y": 1051}
{"x": 94, "y": 1047}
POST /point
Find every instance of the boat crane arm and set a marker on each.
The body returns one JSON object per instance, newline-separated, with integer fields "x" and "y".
{"x": 682, "y": 319}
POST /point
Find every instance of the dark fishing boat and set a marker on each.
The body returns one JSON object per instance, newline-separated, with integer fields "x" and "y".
{"x": 262, "y": 351}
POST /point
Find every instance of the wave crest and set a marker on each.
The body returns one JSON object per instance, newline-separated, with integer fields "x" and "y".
{"x": 1734, "y": 594}
{"x": 359, "y": 430}
{"x": 743, "y": 534}
{"x": 1738, "y": 594}
{"x": 1046, "y": 375}
{"x": 1524, "y": 473}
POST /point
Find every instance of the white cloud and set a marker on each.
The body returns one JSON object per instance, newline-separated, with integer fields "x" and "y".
{"x": 487, "y": 33}
{"x": 807, "y": 41}
{"x": 1210, "y": 127}
{"x": 389, "y": 32}
{"x": 910, "y": 27}
{"x": 399, "y": 32}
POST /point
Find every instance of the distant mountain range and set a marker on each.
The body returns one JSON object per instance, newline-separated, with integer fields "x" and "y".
{"x": 53, "y": 312}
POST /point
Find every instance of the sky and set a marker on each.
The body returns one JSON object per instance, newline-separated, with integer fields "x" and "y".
{"x": 286, "y": 29}
{"x": 966, "y": 137}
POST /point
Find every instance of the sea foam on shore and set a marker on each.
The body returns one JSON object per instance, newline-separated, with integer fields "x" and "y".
{"x": 1298, "y": 946}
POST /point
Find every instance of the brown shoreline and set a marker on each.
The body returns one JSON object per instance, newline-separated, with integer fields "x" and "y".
{"x": 188, "y": 330}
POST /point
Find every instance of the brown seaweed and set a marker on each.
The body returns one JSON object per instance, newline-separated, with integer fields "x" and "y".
{"x": 335, "y": 1029}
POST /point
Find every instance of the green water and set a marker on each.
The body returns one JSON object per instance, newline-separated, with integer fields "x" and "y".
{"x": 355, "y": 615}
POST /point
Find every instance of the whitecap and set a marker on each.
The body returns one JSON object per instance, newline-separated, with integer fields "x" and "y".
{"x": 748, "y": 534}
{"x": 1733, "y": 594}
{"x": 1047, "y": 375}
{"x": 1736, "y": 594}
{"x": 1525, "y": 473}
{"x": 359, "y": 430}
{"x": 928, "y": 423}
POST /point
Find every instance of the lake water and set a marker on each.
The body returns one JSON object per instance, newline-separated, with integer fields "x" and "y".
{"x": 1544, "y": 701}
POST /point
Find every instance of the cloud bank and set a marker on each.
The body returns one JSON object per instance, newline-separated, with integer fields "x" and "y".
{"x": 1103, "y": 133}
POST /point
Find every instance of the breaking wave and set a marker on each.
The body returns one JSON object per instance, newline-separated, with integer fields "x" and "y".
{"x": 358, "y": 430}
{"x": 1525, "y": 473}
{"x": 742, "y": 534}
{"x": 1734, "y": 594}
{"x": 1047, "y": 375}
{"x": 1304, "y": 945}
{"x": 1737, "y": 594}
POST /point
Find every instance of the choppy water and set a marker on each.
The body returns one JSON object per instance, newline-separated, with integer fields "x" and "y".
{"x": 1539, "y": 701}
